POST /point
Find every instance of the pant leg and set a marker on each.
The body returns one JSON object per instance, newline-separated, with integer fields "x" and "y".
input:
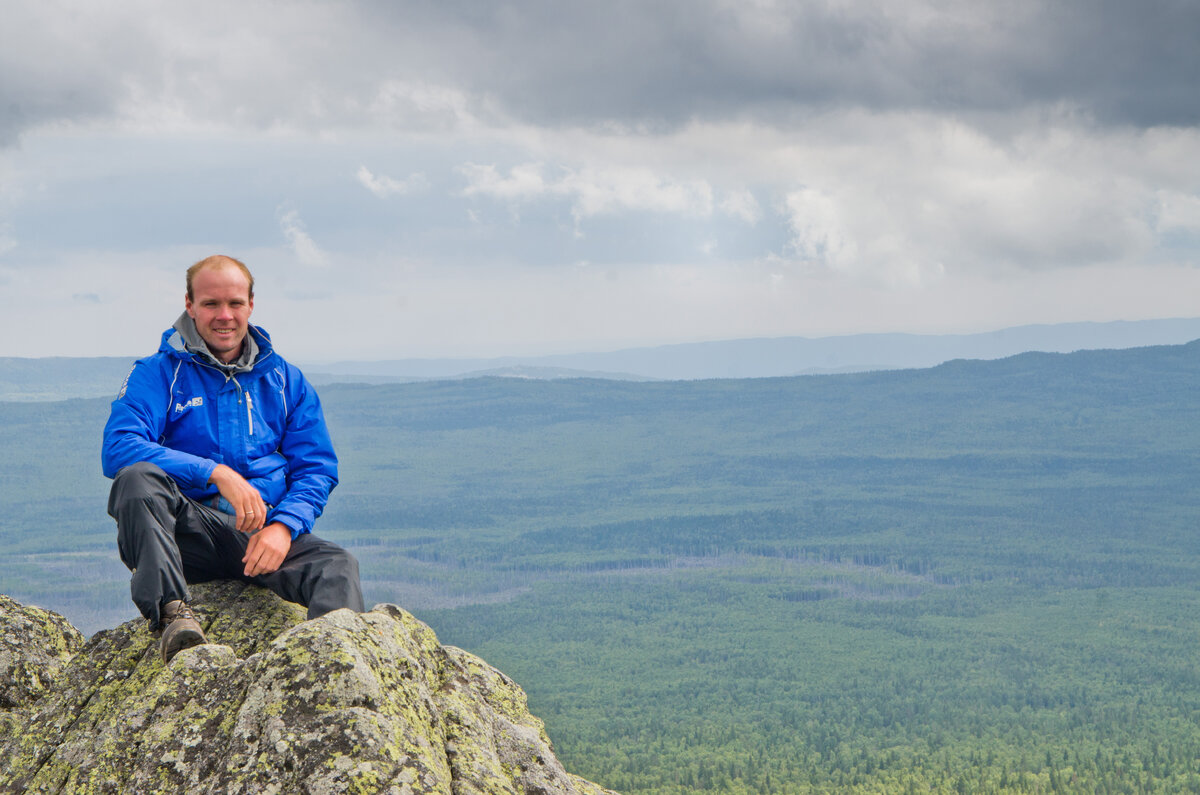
{"x": 318, "y": 574}
{"x": 169, "y": 540}
{"x": 163, "y": 537}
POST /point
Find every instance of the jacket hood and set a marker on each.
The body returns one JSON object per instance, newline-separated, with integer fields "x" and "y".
{"x": 183, "y": 340}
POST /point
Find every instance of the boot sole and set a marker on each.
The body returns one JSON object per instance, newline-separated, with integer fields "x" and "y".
{"x": 184, "y": 640}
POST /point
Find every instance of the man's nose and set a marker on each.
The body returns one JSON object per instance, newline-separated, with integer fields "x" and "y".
{"x": 224, "y": 312}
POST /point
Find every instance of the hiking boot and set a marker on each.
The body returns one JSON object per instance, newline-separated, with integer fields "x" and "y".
{"x": 181, "y": 630}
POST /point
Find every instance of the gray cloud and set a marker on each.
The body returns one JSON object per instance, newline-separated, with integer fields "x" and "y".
{"x": 624, "y": 62}
{"x": 56, "y": 68}
{"x": 667, "y": 62}
{"x": 710, "y": 167}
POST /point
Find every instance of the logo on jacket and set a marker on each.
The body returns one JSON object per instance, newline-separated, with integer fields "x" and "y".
{"x": 125, "y": 383}
{"x": 196, "y": 401}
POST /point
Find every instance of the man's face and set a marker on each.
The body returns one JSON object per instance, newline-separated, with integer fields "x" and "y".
{"x": 221, "y": 306}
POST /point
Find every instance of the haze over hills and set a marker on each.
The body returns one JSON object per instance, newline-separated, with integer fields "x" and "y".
{"x": 787, "y": 356}
{"x": 55, "y": 378}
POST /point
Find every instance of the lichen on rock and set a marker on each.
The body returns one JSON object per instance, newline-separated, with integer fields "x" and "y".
{"x": 34, "y": 645}
{"x": 350, "y": 702}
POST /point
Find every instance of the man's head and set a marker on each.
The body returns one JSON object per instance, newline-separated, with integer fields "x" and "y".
{"x": 220, "y": 298}
{"x": 217, "y": 261}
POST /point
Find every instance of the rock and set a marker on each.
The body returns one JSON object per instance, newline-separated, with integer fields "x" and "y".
{"x": 34, "y": 645}
{"x": 350, "y": 702}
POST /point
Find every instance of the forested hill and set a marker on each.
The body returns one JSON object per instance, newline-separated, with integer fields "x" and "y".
{"x": 976, "y": 577}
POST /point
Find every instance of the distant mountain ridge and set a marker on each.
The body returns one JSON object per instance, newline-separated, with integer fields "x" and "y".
{"x": 58, "y": 378}
{"x": 788, "y": 356}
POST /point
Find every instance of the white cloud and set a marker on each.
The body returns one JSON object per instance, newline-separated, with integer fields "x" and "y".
{"x": 593, "y": 191}
{"x": 742, "y": 205}
{"x": 600, "y": 191}
{"x": 899, "y": 197}
{"x": 819, "y": 230}
{"x": 383, "y": 186}
{"x": 301, "y": 244}
{"x": 523, "y": 183}
{"x": 902, "y": 196}
{"x": 409, "y": 104}
{"x": 1178, "y": 212}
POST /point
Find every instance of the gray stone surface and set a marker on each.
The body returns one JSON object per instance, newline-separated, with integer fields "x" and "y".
{"x": 350, "y": 702}
{"x": 34, "y": 645}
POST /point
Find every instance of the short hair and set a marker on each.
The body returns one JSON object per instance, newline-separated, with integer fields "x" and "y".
{"x": 217, "y": 261}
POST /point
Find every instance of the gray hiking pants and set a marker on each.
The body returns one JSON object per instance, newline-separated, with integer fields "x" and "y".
{"x": 168, "y": 540}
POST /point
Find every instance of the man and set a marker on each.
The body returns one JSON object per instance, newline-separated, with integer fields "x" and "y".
{"x": 221, "y": 462}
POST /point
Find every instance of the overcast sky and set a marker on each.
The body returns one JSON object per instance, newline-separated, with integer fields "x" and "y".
{"x": 452, "y": 178}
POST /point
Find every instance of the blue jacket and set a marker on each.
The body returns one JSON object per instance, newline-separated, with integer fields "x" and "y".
{"x": 178, "y": 410}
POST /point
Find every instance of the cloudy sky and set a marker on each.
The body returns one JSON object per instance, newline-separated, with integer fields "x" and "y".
{"x": 476, "y": 178}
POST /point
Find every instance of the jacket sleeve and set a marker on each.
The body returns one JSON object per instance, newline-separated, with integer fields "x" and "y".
{"x": 311, "y": 461}
{"x": 135, "y": 425}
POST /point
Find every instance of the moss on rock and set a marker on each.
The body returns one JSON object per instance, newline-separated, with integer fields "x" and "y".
{"x": 34, "y": 645}
{"x": 349, "y": 702}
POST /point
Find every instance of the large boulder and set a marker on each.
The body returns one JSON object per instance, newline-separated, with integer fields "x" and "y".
{"x": 350, "y": 702}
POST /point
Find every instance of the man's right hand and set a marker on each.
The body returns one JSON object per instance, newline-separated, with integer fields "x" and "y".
{"x": 245, "y": 499}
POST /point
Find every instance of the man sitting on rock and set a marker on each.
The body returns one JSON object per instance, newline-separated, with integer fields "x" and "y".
{"x": 221, "y": 462}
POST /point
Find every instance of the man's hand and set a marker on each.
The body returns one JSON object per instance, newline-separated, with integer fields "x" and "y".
{"x": 245, "y": 499}
{"x": 267, "y": 549}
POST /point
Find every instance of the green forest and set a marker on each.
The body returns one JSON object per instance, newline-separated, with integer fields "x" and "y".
{"x": 980, "y": 577}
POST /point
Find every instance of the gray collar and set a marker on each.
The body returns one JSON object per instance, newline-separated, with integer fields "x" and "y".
{"x": 194, "y": 343}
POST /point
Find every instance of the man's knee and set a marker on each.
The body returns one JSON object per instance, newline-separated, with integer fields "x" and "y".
{"x": 353, "y": 585}
{"x": 336, "y": 582}
{"x": 136, "y": 485}
{"x": 138, "y": 477}
{"x": 338, "y": 569}
{"x": 345, "y": 564}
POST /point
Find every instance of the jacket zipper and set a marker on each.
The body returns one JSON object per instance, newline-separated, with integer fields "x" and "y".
{"x": 249, "y": 403}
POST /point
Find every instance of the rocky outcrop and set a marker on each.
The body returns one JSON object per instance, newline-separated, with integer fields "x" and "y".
{"x": 34, "y": 645}
{"x": 350, "y": 702}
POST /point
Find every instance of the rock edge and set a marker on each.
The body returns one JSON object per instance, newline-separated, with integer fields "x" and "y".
{"x": 350, "y": 702}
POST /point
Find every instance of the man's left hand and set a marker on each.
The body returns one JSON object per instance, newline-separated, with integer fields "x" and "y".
{"x": 267, "y": 549}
